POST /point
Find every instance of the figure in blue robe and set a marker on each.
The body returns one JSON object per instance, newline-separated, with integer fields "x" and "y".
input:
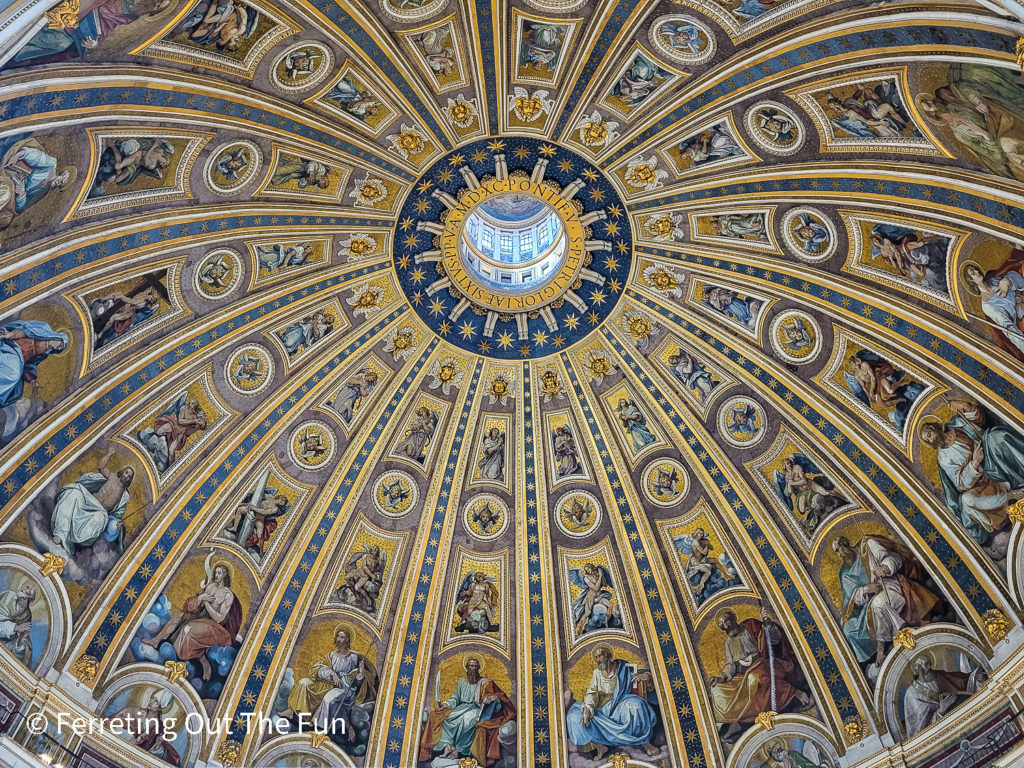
{"x": 853, "y": 576}
{"x": 24, "y": 344}
{"x": 635, "y": 424}
{"x": 611, "y": 714}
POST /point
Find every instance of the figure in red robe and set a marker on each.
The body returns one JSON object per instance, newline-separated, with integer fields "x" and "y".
{"x": 760, "y": 673}
{"x": 211, "y": 617}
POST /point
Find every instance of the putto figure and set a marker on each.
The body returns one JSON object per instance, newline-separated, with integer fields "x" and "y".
{"x": 172, "y": 430}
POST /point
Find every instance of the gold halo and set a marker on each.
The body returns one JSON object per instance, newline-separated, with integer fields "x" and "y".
{"x": 925, "y": 654}
{"x": 600, "y": 647}
{"x": 72, "y": 172}
{"x": 469, "y": 657}
{"x": 929, "y": 419}
{"x": 230, "y": 569}
{"x": 67, "y": 345}
{"x": 722, "y": 613}
{"x": 769, "y": 744}
{"x": 349, "y": 629}
{"x": 970, "y": 287}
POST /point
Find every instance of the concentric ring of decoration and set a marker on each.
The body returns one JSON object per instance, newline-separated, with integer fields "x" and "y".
{"x": 528, "y": 318}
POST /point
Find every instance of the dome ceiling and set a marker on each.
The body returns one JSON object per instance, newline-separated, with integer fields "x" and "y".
{"x": 730, "y": 477}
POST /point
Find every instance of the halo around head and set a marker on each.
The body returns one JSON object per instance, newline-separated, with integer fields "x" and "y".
{"x": 932, "y": 420}
{"x": 722, "y": 614}
{"x": 602, "y": 647}
{"x": 970, "y": 287}
{"x": 349, "y": 630}
{"x": 470, "y": 657}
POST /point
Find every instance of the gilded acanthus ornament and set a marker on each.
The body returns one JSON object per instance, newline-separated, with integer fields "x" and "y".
{"x": 85, "y": 668}
{"x": 905, "y": 638}
{"x": 766, "y": 720}
{"x": 1016, "y": 510}
{"x": 176, "y": 670}
{"x": 619, "y": 760}
{"x": 317, "y": 740}
{"x": 855, "y": 729}
{"x": 228, "y": 753}
{"x": 52, "y": 564}
{"x": 64, "y": 15}
{"x": 996, "y": 624}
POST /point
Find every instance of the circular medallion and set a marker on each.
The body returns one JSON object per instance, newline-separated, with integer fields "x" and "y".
{"x": 411, "y": 10}
{"x": 682, "y": 39}
{"x": 809, "y": 233}
{"x": 219, "y": 272}
{"x": 231, "y": 166}
{"x": 312, "y": 445}
{"x": 395, "y": 493}
{"x": 795, "y": 336}
{"x": 249, "y": 370}
{"x": 775, "y": 127}
{"x": 665, "y": 482}
{"x": 302, "y": 67}
{"x": 578, "y": 513}
{"x": 513, "y": 248}
{"x": 486, "y": 516}
{"x": 741, "y": 422}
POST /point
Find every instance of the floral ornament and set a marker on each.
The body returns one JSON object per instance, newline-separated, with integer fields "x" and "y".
{"x": 85, "y": 668}
{"x": 598, "y": 365}
{"x": 667, "y": 227}
{"x": 528, "y": 107}
{"x": 640, "y": 327}
{"x": 357, "y": 247}
{"x": 643, "y": 173}
{"x": 63, "y": 16}
{"x": 52, "y": 564}
{"x": 229, "y": 753}
{"x": 996, "y": 624}
{"x": 445, "y": 374}
{"x": 367, "y": 300}
{"x": 369, "y": 192}
{"x": 461, "y": 112}
{"x": 400, "y": 343}
{"x": 408, "y": 141}
{"x": 855, "y": 729}
{"x": 550, "y": 386}
{"x": 664, "y": 281}
{"x": 595, "y": 131}
{"x": 500, "y": 388}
